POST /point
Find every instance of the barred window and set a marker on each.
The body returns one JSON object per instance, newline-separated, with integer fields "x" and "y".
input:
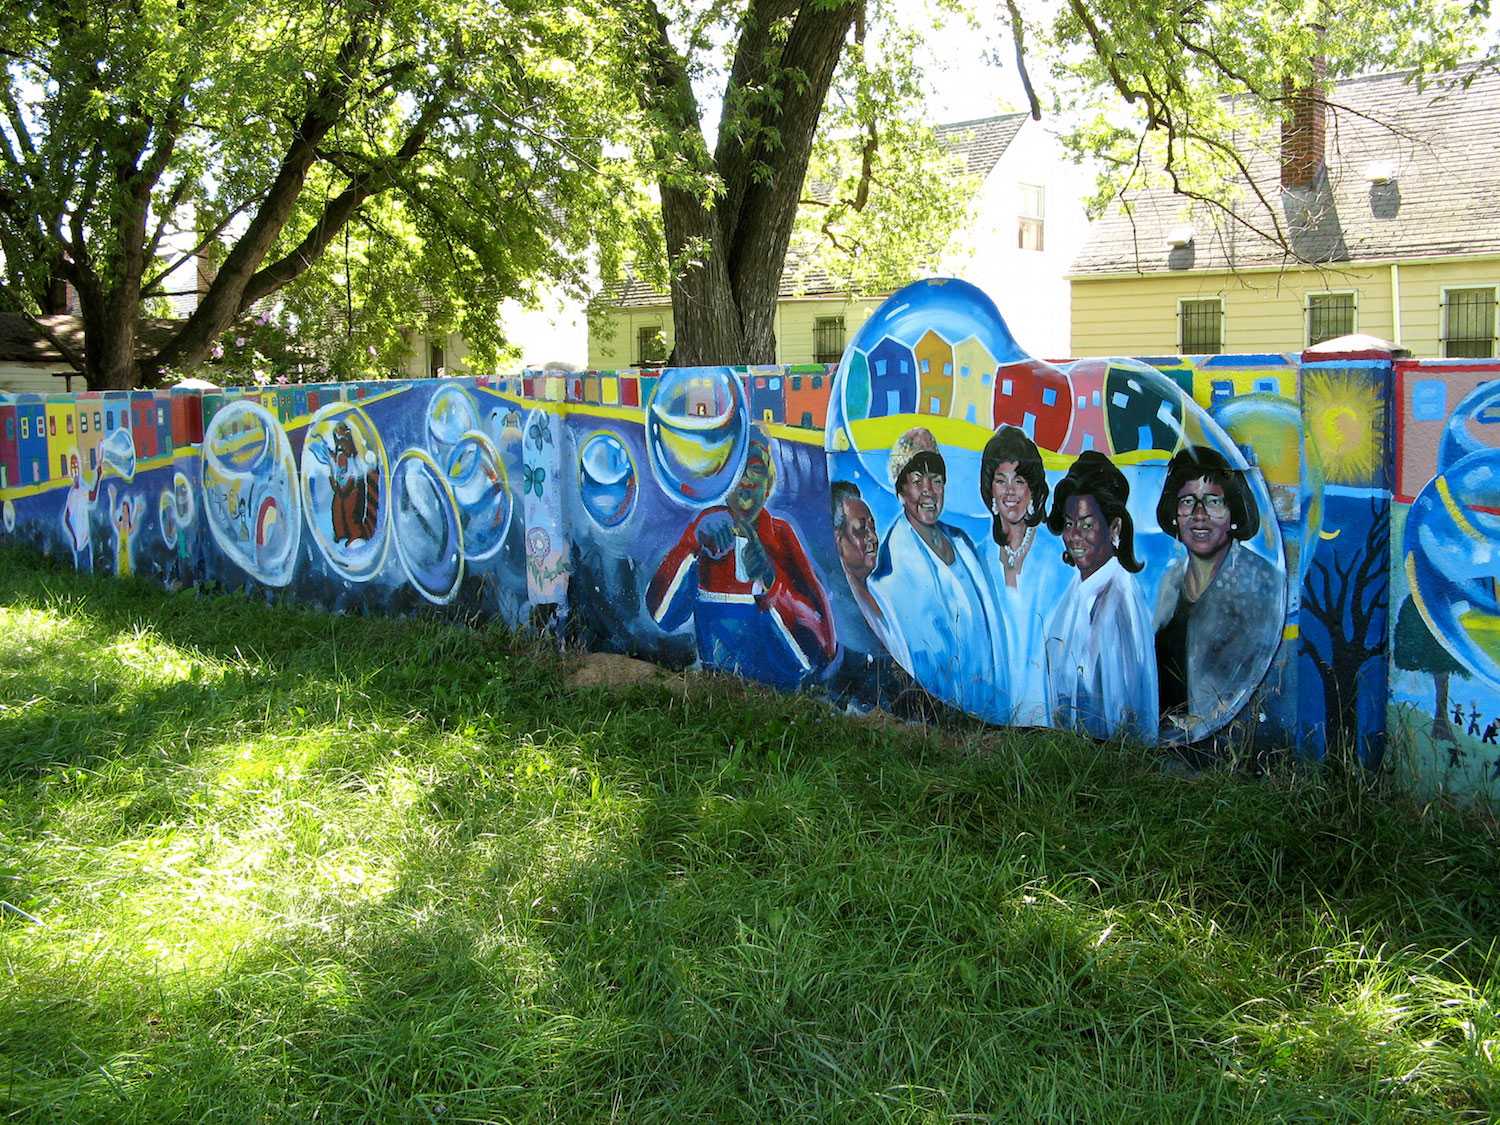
{"x": 1329, "y": 315}
{"x": 1200, "y": 326}
{"x": 650, "y": 346}
{"x": 828, "y": 339}
{"x": 1469, "y": 323}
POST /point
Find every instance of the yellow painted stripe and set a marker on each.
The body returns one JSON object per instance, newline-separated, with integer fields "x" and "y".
{"x": 1291, "y": 632}
{"x": 1455, "y": 511}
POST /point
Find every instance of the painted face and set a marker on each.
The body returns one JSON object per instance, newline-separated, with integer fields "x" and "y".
{"x": 1010, "y": 492}
{"x": 1086, "y": 535}
{"x": 922, "y": 496}
{"x": 857, "y": 541}
{"x": 754, "y": 487}
{"x": 1202, "y": 518}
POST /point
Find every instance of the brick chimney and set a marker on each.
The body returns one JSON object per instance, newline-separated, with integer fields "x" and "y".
{"x": 1302, "y": 129}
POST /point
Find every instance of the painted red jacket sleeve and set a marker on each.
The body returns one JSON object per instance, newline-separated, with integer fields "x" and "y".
{"x": 797, "y": 597}
{"x": 674, "y": 587}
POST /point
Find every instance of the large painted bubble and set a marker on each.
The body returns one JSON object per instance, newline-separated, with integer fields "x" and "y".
{"x": 1472, "y": 427}
{"x": 346, "y": 489}
{"x": 429, "y": 533}
{"x": 481, "y": 489}
{"x": 1451, "y": 551}
{"x": 936, "y": 372}
{"x": 697, "y": 433}
{"x": 250, "y": 492}
{"x": 607, "y": 480}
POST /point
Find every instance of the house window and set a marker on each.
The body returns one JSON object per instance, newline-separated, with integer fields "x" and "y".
{"x": 68, "y": 419}
{"x": 1329, "y": 315}
{"x": 1469, "y": 323}
{"x": 52, "y": 425}
{"x": 1200, "y": 326}
{"x": 25, "y": 428}
{"x": 828, "y": 339}
{"x": 1033, "y": 200}
{"x": 436, "y": 361}
{"x": 650, "y": 346}
{"x": 83, "y": 422}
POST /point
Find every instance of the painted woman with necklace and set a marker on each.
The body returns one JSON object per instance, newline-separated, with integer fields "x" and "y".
{"x": 1029, "y": 581}
{"x": 1220, "y": 608}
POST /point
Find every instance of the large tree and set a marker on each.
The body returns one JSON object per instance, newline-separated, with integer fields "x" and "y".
{"x": 461, "y": 145}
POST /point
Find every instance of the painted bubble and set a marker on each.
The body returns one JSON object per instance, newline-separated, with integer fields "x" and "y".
{"x": 166, "y": 519}
{"x": 184, "y": 505}
{"x": 451, "y": 413}
{"x": 429, "y": 533}
{"x": 481, "y": 489}
{"x": 8, "y": 516}
{"x": 607, "y": 480}
{"x": 250, "y": 491}
{"x": 117, "y": 454}
{"x": 346, "y": 489}
{"x": 1473, "y": 427}
{"x": 1451, "y": 551}
{"x": 697, "y": 433}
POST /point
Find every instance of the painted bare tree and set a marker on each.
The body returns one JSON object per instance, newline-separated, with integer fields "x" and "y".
{"x": 1350, "y": 599}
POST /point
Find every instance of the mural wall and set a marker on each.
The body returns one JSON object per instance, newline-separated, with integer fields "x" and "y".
{"x": 1194, "y": 550}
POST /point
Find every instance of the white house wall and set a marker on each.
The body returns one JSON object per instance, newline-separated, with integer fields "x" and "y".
{"x": 1029, "y": 286}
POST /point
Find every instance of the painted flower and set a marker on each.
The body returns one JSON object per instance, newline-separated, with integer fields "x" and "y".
{"x": 538, "y": 542}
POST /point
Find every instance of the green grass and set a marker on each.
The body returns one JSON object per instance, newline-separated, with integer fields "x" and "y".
{"x": 292, "y": 866}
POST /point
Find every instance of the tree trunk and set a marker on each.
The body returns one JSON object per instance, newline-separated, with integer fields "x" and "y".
{"x": 727, "y": 259}
{"x": 1442, "y": 728}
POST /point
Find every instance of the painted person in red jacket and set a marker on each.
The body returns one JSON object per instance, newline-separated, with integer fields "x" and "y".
{"x": 741, "y": 574}
{"x": 356, "y": 489}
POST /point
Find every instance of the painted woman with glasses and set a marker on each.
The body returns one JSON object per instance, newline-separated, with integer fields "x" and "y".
{"x": 1214, "y": 614}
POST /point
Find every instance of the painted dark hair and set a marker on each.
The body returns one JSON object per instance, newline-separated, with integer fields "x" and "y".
{"x": 1198, "y": 462}
{"x": 923, "y": 461}
{"x": 840, "y": 491}
{"x": 1011, "y": 444}
{"x": 1094, "y": 475}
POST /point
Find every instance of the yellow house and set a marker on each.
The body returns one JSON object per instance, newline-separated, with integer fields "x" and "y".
{"x": 1391, "y": 206}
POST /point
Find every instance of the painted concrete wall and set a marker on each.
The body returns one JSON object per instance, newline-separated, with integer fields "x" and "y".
{"x": 1209, "y": 550}
{"x": 1263, "y": 309}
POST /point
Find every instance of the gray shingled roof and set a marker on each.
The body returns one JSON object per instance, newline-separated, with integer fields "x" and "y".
{"x": 1443, "y": 199}
{"x": 20, "y": 342}
{"x": 980, "y": 142}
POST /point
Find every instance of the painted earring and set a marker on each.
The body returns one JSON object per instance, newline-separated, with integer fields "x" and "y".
{"x": 1234, "y": 527}
{"x": 995, "y": 506}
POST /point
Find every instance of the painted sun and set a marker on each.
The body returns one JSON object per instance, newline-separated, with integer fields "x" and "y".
{"x": 1344, "y": 418}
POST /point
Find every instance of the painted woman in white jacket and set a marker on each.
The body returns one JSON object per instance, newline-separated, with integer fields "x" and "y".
{"x": 1101, "y": 653}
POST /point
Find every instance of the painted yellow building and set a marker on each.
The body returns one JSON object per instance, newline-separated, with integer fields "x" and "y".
{"x": 1398, "y": 240}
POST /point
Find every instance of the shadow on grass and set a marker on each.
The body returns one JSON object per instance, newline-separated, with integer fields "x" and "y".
{"x": 728, "y": 904}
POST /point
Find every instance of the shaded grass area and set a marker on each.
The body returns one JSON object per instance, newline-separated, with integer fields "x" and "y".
{"x": 288, "y": 866}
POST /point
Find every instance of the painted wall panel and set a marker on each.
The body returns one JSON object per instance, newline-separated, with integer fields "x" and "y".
{"x": 1182, "y": 549}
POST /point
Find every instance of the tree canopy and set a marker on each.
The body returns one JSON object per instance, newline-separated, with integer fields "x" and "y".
{"x": 422, "y": 159}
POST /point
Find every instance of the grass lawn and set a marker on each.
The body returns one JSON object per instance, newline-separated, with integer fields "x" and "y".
{"x": 290, "y": 866}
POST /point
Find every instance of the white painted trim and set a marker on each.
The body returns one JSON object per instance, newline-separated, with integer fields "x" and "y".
{"x": 1292, "y": 267}
{"x": 1396, "y": 303}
